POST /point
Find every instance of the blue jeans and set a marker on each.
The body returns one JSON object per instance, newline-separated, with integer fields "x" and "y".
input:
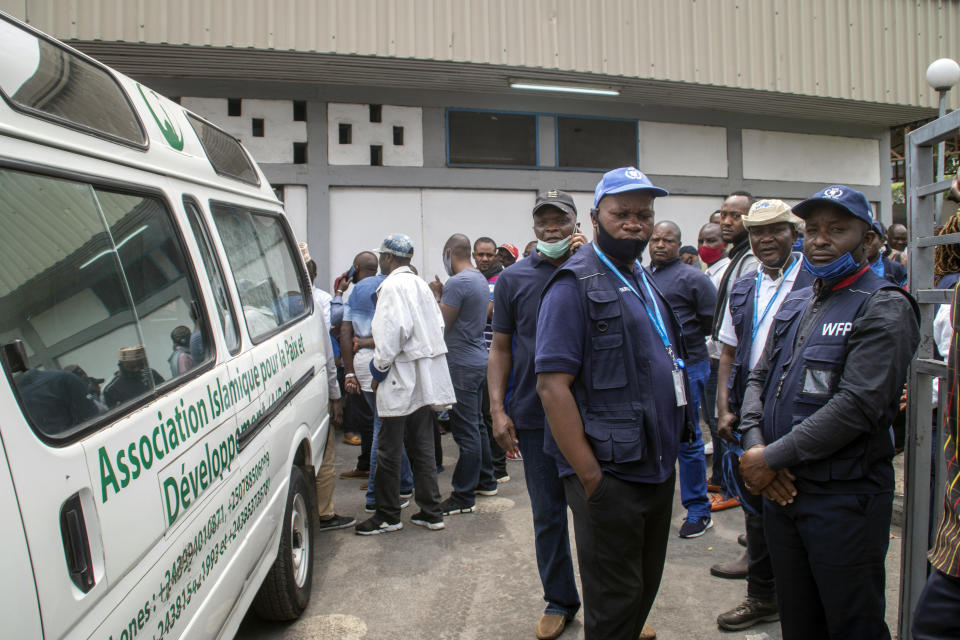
{"x": 550, "y": 532}
{"x": 406, "y": 474}
{"x": 474, "y": 468}
{"x": 693, "y": 463}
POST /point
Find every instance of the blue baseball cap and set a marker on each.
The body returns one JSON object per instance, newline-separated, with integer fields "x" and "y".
{"x": 878, "y": 227}
{"x": 838, "y": 195}
{"x": 622, "y": 180}
{"x": 399, "y": 244}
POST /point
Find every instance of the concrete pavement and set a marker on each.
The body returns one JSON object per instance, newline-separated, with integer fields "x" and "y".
{"x": 477, "y": 579}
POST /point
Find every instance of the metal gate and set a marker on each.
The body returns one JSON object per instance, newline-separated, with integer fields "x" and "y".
{"x": 921, "y": 455}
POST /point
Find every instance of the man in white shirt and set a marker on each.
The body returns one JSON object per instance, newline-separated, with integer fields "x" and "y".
{"x": 411, "y": 378}
{"x": 753, "y": 302}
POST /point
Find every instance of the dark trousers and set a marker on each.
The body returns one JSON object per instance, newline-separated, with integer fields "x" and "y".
{"x": 415, "y": 431}
{"x": 358, "y": 419}
{"x": 708, "y": 409}
{"x": 550, "y": 530}
{"x": 497, "y": 455}
{"x": 760, "y": 582}
{"x": 937, "y": 616}
{"x": 828, "y": 551}
{"x": 622, "y": 532}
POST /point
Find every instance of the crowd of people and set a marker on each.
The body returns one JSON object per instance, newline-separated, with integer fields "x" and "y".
{"x": 787, "y": 332}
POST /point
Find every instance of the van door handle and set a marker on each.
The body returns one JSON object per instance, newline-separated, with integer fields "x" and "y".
{"x": 76, "y": 545}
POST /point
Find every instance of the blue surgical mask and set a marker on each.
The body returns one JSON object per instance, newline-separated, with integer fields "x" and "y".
{"x": 447, "y": 262}
{"x": 556, "y": 249}
{"x": 842, "y": 266}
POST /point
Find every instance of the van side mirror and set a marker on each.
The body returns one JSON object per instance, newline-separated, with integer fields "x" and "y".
{"x": 13, "y": 356}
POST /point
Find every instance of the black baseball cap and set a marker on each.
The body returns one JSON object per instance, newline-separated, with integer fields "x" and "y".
{"x": 558, "y": 199}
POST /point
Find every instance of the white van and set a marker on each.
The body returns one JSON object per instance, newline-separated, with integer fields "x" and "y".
{"x": 163, "y": 402}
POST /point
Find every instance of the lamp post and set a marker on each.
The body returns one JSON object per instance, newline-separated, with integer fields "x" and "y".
{"x": 942, "y": 74}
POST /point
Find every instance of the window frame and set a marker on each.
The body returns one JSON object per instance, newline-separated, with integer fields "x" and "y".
{"x": 556, "y": 140}
{"x": 144, "y": 145}
{"x": 302, "y": 277}
{"x": 208, "y": 239}
{"x": 111, "y": 417}
{"x": 536, "y": 138}
{"x": 193, "y": 118}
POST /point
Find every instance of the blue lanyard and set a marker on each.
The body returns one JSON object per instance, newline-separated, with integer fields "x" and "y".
{"x": 756, "y": 298}
{"x": 655, "y": 320}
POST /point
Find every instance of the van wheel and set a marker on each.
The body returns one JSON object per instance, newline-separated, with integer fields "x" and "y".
{"x": 285, "y": 591}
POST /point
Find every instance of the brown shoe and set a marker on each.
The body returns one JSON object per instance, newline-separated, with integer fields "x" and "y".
{"x": 355, "y": 473}
{"x": 350, "y": 438}
{"x": 364, "y": 486}
{"x": 551, "y": 625}
{"x": 719, "y": 503}
{"x": 648, "y": 633}
{"x": 735, "y": 570}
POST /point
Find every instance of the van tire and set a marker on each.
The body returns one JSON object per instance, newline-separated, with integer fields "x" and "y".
{"x": 285, "y": 591}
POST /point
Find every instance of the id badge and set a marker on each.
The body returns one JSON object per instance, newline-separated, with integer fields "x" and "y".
{"x": 678, "y": 388}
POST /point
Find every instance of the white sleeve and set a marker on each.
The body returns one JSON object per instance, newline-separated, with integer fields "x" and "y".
{"x": 942, "y": 329}
{"x": 330, "y": 366}
{"x": 727, "y": 335}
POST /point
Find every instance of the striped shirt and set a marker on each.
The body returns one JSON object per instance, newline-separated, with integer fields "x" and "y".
{"x": 945, "y": 554}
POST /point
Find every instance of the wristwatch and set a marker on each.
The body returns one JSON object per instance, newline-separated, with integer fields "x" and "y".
{"x": 350, "y": 375}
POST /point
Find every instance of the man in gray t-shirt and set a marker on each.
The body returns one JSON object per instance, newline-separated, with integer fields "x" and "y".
{"x": 463, "y": 301}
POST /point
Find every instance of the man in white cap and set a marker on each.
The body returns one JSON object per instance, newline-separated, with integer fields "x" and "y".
{"x": 411, "y": 378}
{"x": 752, "y": 303}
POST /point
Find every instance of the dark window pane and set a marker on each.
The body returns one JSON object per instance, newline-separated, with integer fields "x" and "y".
{"x": 376, "y": 155}
{"x": 257, "y": 127}
{"x": 234, "y": 107}
{"x": 592, "y": 143}
{"x": 376, "y": 112}
{"x": 398, "y": 136}
{"x": 299, "y": 153}
{"x": 224, "y": 152}
{"x": 49, "y": 81}
{"x": 505, "y": 139}
{"x": 346, "y": 133}
{"x": 299, "y": 111}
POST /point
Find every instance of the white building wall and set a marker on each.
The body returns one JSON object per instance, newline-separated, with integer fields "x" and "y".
{"x": 801, "y": 157}
{"x": 365, "y": 133}
{"x": 682, "y": 149}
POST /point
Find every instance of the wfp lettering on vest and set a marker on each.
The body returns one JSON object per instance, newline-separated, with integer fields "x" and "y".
{"x": 837, "y": 328}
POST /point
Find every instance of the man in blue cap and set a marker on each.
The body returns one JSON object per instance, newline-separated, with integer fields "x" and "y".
{"x": 610, "y": 374}
{"x": 815, "y": 426}
{"x": 881, "y": 265}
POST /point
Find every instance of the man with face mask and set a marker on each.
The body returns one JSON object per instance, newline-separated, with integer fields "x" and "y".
{"x": 521, "y": 424}
{"x": 815, "y": 426}
{"x": 463, "y": 302}
{"x": 609, "y": 363}
{"x": 754, "y": 301}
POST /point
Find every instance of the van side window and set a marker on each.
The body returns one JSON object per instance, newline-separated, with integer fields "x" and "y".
{"x": 93, "y": 283}
{"x": 215, "y": 276}
{"x": 264, "y": 267}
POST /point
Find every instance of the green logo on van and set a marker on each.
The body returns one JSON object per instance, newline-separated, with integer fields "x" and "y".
{"x": 169, "y": 130}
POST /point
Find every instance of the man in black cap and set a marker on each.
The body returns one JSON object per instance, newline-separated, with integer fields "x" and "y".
{"x": 521, "y": 424}
{"x": 609, "y": 365}
{"x": 815, "y": 422}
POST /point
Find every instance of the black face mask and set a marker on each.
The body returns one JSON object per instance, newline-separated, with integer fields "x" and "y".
{"x": 494, "y": 269}
{"x": 624, "y": 250}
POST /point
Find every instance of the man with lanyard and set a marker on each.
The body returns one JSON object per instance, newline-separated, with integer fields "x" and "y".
{"x": 609, "y": 363}
{"x": 512, "y": 352}
{"x": 815, "y": 426}
{"x": 713, "y": 253}
{"x": 692, "y": 297}
{"x": 753, "y": 302}
{"x": 883, "y": 266}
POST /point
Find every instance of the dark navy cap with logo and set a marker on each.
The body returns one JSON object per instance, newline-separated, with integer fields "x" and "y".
{"x": 838, "y": 195}
{"x": 622, "y": 180}
{"x": 558, "y": 199}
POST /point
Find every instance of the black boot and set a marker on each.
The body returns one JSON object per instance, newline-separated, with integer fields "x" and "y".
{"x": 748, "y": 613}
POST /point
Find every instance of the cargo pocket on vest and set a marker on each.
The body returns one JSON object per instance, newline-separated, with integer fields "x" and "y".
{"x": 608, "y": 368}
{"x": 615, "y": 439}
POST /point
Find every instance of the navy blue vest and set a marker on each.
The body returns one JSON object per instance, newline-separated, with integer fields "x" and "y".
{"x": 798, "y": 384}
{"x": 612, "y": 389}
{"x": 742, "y": 299}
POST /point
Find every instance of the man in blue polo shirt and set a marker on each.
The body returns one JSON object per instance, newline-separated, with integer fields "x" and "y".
{"x": 522, "y": 423}
{"x": 692, "y": 297}
{"x": 609, "y": 363}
